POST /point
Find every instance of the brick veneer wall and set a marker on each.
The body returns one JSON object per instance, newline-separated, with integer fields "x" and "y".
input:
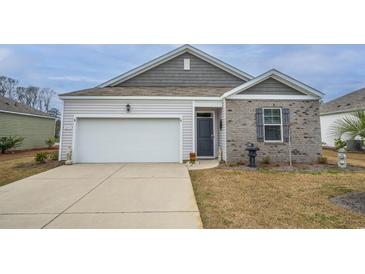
{"x": 305, "y": 131}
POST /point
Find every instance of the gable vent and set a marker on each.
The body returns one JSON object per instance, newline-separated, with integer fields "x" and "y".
{"x": 186, "y": 64}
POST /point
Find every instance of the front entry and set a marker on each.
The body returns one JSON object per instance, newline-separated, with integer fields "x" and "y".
{"x": 205, "y": 134}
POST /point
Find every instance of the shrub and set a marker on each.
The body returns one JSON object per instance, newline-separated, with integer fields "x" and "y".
{"x": 242, "y": 163}
{"x": 54, "y": 156}
{"x": 322, "y": 160}
{"x": 10, "y": 142}
{"x": 50, "y": 142}
{"x": 340, "y": 143}
{"x": 266, "y": 160}
{"x": 41, "y": 157}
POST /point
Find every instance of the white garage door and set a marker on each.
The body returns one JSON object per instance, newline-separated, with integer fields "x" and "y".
{"x": 117, "y": 140}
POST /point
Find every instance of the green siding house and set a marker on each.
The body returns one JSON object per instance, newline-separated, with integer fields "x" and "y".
{"x": 34, "y": 126}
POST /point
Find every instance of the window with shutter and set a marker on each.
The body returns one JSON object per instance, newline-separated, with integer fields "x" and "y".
{"x": 286, "y": 123}
{"x": 259, "y": 125}
{"x": 273, "y": 124}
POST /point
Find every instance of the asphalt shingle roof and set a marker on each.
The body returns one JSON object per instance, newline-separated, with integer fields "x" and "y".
{"x": 151, "y": 91}
{"x": 350, "y": 102}
{"x": 7, "y": 104}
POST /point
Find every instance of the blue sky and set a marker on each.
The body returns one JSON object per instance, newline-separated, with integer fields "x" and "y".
{"x": 332, "y": 69}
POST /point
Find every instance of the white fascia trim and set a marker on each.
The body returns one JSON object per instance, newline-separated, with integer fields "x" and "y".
{"x": 349, "y": 111}
{"x": 272, "y": 97}
{"x": 168, "y": 56}
{"x": 27, "y": 114}
{"x": 214, "y": 104}
{"x": 129, "y": 116}
{"x": 61, "y": 134}
{"x": 277, "y": 75}
{"x": 140, "y": 98}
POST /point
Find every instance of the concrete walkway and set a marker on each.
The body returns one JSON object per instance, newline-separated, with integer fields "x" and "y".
{"x": 203, "y": 164}
{"x": 102, "y": 196}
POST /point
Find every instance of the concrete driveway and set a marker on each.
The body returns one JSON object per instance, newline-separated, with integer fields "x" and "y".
{"x": 102, "y": 196}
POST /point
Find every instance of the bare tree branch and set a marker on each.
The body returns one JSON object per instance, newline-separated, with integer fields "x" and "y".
{"x": 8, "y": 86}
{"x": 46, "y": 95}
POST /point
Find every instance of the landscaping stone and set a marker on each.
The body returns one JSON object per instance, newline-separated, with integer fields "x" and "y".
{"x": 284, "y": 167}
{"x": 354, "y": 201}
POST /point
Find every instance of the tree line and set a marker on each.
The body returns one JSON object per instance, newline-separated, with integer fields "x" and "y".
{"x": 33, "y": 96}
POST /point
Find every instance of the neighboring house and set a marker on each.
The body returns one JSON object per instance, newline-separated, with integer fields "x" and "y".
{"x": 17, "y": 119}
{"x": 188, "y": 101}
{"x": 337, "y": 109}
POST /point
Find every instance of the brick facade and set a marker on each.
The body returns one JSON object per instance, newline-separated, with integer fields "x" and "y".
{"x": 305, "y": 131}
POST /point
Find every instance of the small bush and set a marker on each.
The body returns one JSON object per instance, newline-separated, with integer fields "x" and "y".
{"x": 54, "y": 156}
{"x": 10, "y": 142}
{"x": 322, "y": 160}
{"x": 266, "y": 160}
{"x": 50, "y": 142}
{"x": 242, "y": 163}
{"x": 41, "y": 157}
{"x": 340, "y": 143}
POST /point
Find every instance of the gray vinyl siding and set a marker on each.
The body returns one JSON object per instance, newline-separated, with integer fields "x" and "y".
{"x": 271, "y": 87}
{"x": 113, "y": 107}
{"x": 172, "y": 73}
{"x": 34, "y": 130}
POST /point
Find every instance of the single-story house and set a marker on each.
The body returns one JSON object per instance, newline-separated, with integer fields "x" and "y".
{"x": 337, "y": 109}
{"x": 17, "y": 119}
{"x": 188, "y": 101}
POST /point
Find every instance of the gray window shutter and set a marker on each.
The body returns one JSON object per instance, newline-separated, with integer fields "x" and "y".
{"x": 259, "y": 125}
{"x": 286, "y": 121}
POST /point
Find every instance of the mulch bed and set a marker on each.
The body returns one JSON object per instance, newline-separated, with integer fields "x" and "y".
{"x": 19, "y": 151}
{"x": 50, "y": 164}
{"x": 284, "y": 167}
{"x": 354, "y": 201}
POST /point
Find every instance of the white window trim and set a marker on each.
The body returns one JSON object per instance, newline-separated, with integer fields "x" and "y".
{"x": 214, "y": 134}
{"x": 187, "y": 64}
{"x": 281, "y": 126}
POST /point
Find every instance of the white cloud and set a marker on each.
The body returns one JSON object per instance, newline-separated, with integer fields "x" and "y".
{"x": 313, "y": 60}
{"x": 4, "y": 54}
{"x": 74, "y": 79}
{"x": 10, "y": 62}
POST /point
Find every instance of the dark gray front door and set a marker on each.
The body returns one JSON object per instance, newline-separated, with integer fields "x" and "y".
{"x": 205, "y": 138}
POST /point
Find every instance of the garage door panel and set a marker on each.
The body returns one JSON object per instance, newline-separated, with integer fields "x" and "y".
{"x": 127, "y": 140}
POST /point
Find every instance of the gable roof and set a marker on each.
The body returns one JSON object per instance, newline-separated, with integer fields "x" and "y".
{"x": 279, "y": 76}
{"x": 151, "y": 91}
{"x": 172, "y": 54}
{"x": 350, "y": 102}
{"x": 11, "y": 106}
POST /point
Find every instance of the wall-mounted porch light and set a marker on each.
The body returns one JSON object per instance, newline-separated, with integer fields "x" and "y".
{"x": 128, "y": 107}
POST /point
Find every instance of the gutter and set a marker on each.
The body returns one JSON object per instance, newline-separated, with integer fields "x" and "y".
{"x": 342, "y": 111}
{"x": 28, "y": 114}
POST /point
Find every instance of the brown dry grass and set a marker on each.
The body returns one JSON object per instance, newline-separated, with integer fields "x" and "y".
{"x": 353, "y": 158}
{"x": 19, "y": 165}
{"x": 266, "y": 199}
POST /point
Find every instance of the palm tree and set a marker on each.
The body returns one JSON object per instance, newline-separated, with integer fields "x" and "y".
{"x": 352, "y": 125}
